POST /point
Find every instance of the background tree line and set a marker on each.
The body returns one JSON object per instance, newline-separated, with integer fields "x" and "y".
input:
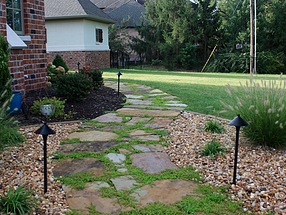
{"x": 183, "y": 33}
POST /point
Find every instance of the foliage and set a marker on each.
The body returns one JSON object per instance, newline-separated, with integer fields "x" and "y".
{"x": 263, "y": 107}
{"x": 188, "y": 56}
{"x": 58, "y": 61}
{"x": 74, "y": 86}
{"x": 9, "y": 134}
{"x": 4, "y": 70}
{"x": 213, "y": 148}
{"x": 95, "y": 74}
{"x": 213, "y": 126}
{"x": 19, "y": 201}
{"x": 58, "y": 104}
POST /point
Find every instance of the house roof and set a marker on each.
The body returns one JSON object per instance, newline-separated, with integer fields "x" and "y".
{"x": 131, "y": 11}
{"x": 71, "y": 9}
{"x": 119, "y": 10}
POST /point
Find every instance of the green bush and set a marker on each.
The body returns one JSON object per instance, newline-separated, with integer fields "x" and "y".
{"x": 19, "y": 201}
{"x": 74, "y": 86}
{"x": 213, "y": 126}
{"x": 58, "y": 104}
{"x": 213, "y": 148}
{"x": 262, "y": 106}
{"x": 188, "y": 56}
{"x": 4, "y": 70}
{"x": 9, "y": 134}
{"x": 58, "y": 61}
{"x": 95, "y": 74}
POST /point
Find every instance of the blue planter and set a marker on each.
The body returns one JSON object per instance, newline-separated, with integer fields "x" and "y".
{"x": 16, "y": 102}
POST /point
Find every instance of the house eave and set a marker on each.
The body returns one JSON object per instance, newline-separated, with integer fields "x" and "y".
{"x": 107, "y": 21}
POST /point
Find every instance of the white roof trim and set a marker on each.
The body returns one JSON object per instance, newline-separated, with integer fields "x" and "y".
{"x": 15, "y": 42}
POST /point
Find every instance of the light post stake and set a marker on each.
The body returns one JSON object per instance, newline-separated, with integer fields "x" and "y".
{"x": 78, "y": 63}
{"x": 237, "y": 122}
{"x": 118, "y": 81}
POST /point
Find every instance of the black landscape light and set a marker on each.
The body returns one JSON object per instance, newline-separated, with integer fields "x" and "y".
{"x": 237, "y": 122}
{"x": 78, "y": 63}
{"x": 45, "y": 131}
{"x": 118, "y": 74}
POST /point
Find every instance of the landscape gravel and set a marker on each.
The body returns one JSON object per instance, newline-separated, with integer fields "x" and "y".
{"x": 261, "y": 174}
{"x": 23, "y": 166}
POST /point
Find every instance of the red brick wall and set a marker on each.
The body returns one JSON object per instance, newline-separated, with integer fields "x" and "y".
{"x": 31, "y": 61}
{"x": 99, "y": 59}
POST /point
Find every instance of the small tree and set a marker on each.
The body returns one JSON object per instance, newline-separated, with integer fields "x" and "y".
{"x": 4, "y": 70}
{"x": 58, "y": 61}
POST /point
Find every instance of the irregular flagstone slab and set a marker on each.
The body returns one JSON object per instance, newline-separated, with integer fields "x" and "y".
{"x": 101, "y": 136}
{"x": 166, "y": 191}
{"x": 109, "y": 117}
{"x": 72, "y": 166}
{"x": 112, "y": 128}
{"x": 156, "y": 91}
{"x": 124, "y": 182}
{"x": 131, "y": 96}
{"x": 82, "y": 199}
{"x": 144, "y": 136}
{"x": 152, "y": 162}
{"x": 139, "y": 102}
{"x": 170, "y": 97}
{"x": 159, "y": 122}
{"x": 158, "y": 94}
{"x": 140, "y": 112}
{"x": 177, "y": 105}
{"x": 138, "y": 133}
{"x": 116, "y": 158}
{"x": 149, "y": 148}
{"x": 86, "y": 147}
{"x": 178, "y": 109}
{"x": 135, "y": 120}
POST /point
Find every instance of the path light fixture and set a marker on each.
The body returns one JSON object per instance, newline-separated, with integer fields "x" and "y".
{"x": 78, "y": 63}
{"x": 118, "y": 75}
{"x": 237, "y": 122}
{"x": 45, "y": 131}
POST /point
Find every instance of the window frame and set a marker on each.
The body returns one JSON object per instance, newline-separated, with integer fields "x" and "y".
{"x": 98, "y": 35}
{"x": 14, "y": 9}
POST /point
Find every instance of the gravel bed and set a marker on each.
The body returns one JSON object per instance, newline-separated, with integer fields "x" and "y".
{"x": 261, "y": 174}
{"x": 24, "y": 166}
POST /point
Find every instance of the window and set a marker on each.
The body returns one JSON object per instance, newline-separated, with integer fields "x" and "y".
{"x": 14, "y": 11}
{"x": 99, "y": 35}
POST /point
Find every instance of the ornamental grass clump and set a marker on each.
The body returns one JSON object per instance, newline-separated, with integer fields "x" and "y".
{"x": 262, "y": 105}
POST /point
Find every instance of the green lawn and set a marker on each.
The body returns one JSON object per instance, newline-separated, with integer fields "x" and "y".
{"x": 202, "y": 92}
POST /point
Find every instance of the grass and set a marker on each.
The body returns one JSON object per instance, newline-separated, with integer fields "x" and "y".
{"x": 197, "y": 90}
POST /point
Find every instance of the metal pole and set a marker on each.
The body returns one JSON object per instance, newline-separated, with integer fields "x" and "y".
{"x": 236, "y": 154}
{"x": 251, "y": 38}
{"x": 254, "y": 58}
{"x": 45, "y": 164}
{"x": 118, "y": 85}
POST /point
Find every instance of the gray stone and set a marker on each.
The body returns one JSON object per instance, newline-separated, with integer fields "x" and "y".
{"x": 177, "y": 105}
{"x": 97, "y": 185}
{"x": 144, "y": 136}
{"x": 135, "y": 120}
{"x": 86, "y": 147}
{"x": 124, "y": 182}
{"x": 122, "y": 170}
{"x": 158, "y": 94}
{"x": 102, "y": 136}
{"x": 109, "y": 117}
{"x": 152, "y": 162}
{"x": 140, "y": 112}
{"x": 156, "y": 91}
{"x": 159, "y": 122}
{"x": 133, "y": 96}
{"x": 149, "y": 148}
{"x": 165, "y": 191}
{"x": 72, "y": 166}
{"x": 139, "y": 102}
{"x": 116, "y": 158}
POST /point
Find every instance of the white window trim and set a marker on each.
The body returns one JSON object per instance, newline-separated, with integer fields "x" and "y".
{"x": 15, "y": 42}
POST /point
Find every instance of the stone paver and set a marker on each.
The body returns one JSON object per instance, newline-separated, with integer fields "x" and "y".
{"x": 86, "y": 147}
{"x": 135, "y": 120}
{"x": 109, "y": 117}
{"x": 116, "y": 158}
{"x": 149, "y": 148}
{"x": 101, "y": 136}
{"x": 165, "y": 191}
{"x": 152, "y": 162}
{"x": 154, "y": 113}
{"x": 124, "y": 182}
{"x": 159, "y": 122}
{"x": 134, "y": 96}
{"x": 139, "y": 102}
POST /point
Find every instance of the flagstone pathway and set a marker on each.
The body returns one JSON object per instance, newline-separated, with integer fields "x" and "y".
{"x": 147, "y": 152}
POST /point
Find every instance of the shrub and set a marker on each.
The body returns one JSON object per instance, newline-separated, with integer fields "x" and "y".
{"x": 19, "y": 201}
{"x": 58, "y": 61}
{"x": 188, "y": 56}
{"x": 4, "y": 71}
{"x": 9, "y": 134}
{"x": 213, "y": 148}
{"x": 58, "y": 104}
{"x": 95, "y": 74}
{"x": 263, "y": 107}
{"x": 213, "y": 126}
{"x": 74, "y": 86}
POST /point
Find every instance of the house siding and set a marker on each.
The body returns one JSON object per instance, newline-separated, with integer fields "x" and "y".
{"x": 29, "y": 62}
{"x": 100, "y": 59}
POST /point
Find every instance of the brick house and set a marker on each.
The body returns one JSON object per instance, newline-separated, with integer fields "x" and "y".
{"x": 77, "y": 30}
{"x": 23, "y": 24}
